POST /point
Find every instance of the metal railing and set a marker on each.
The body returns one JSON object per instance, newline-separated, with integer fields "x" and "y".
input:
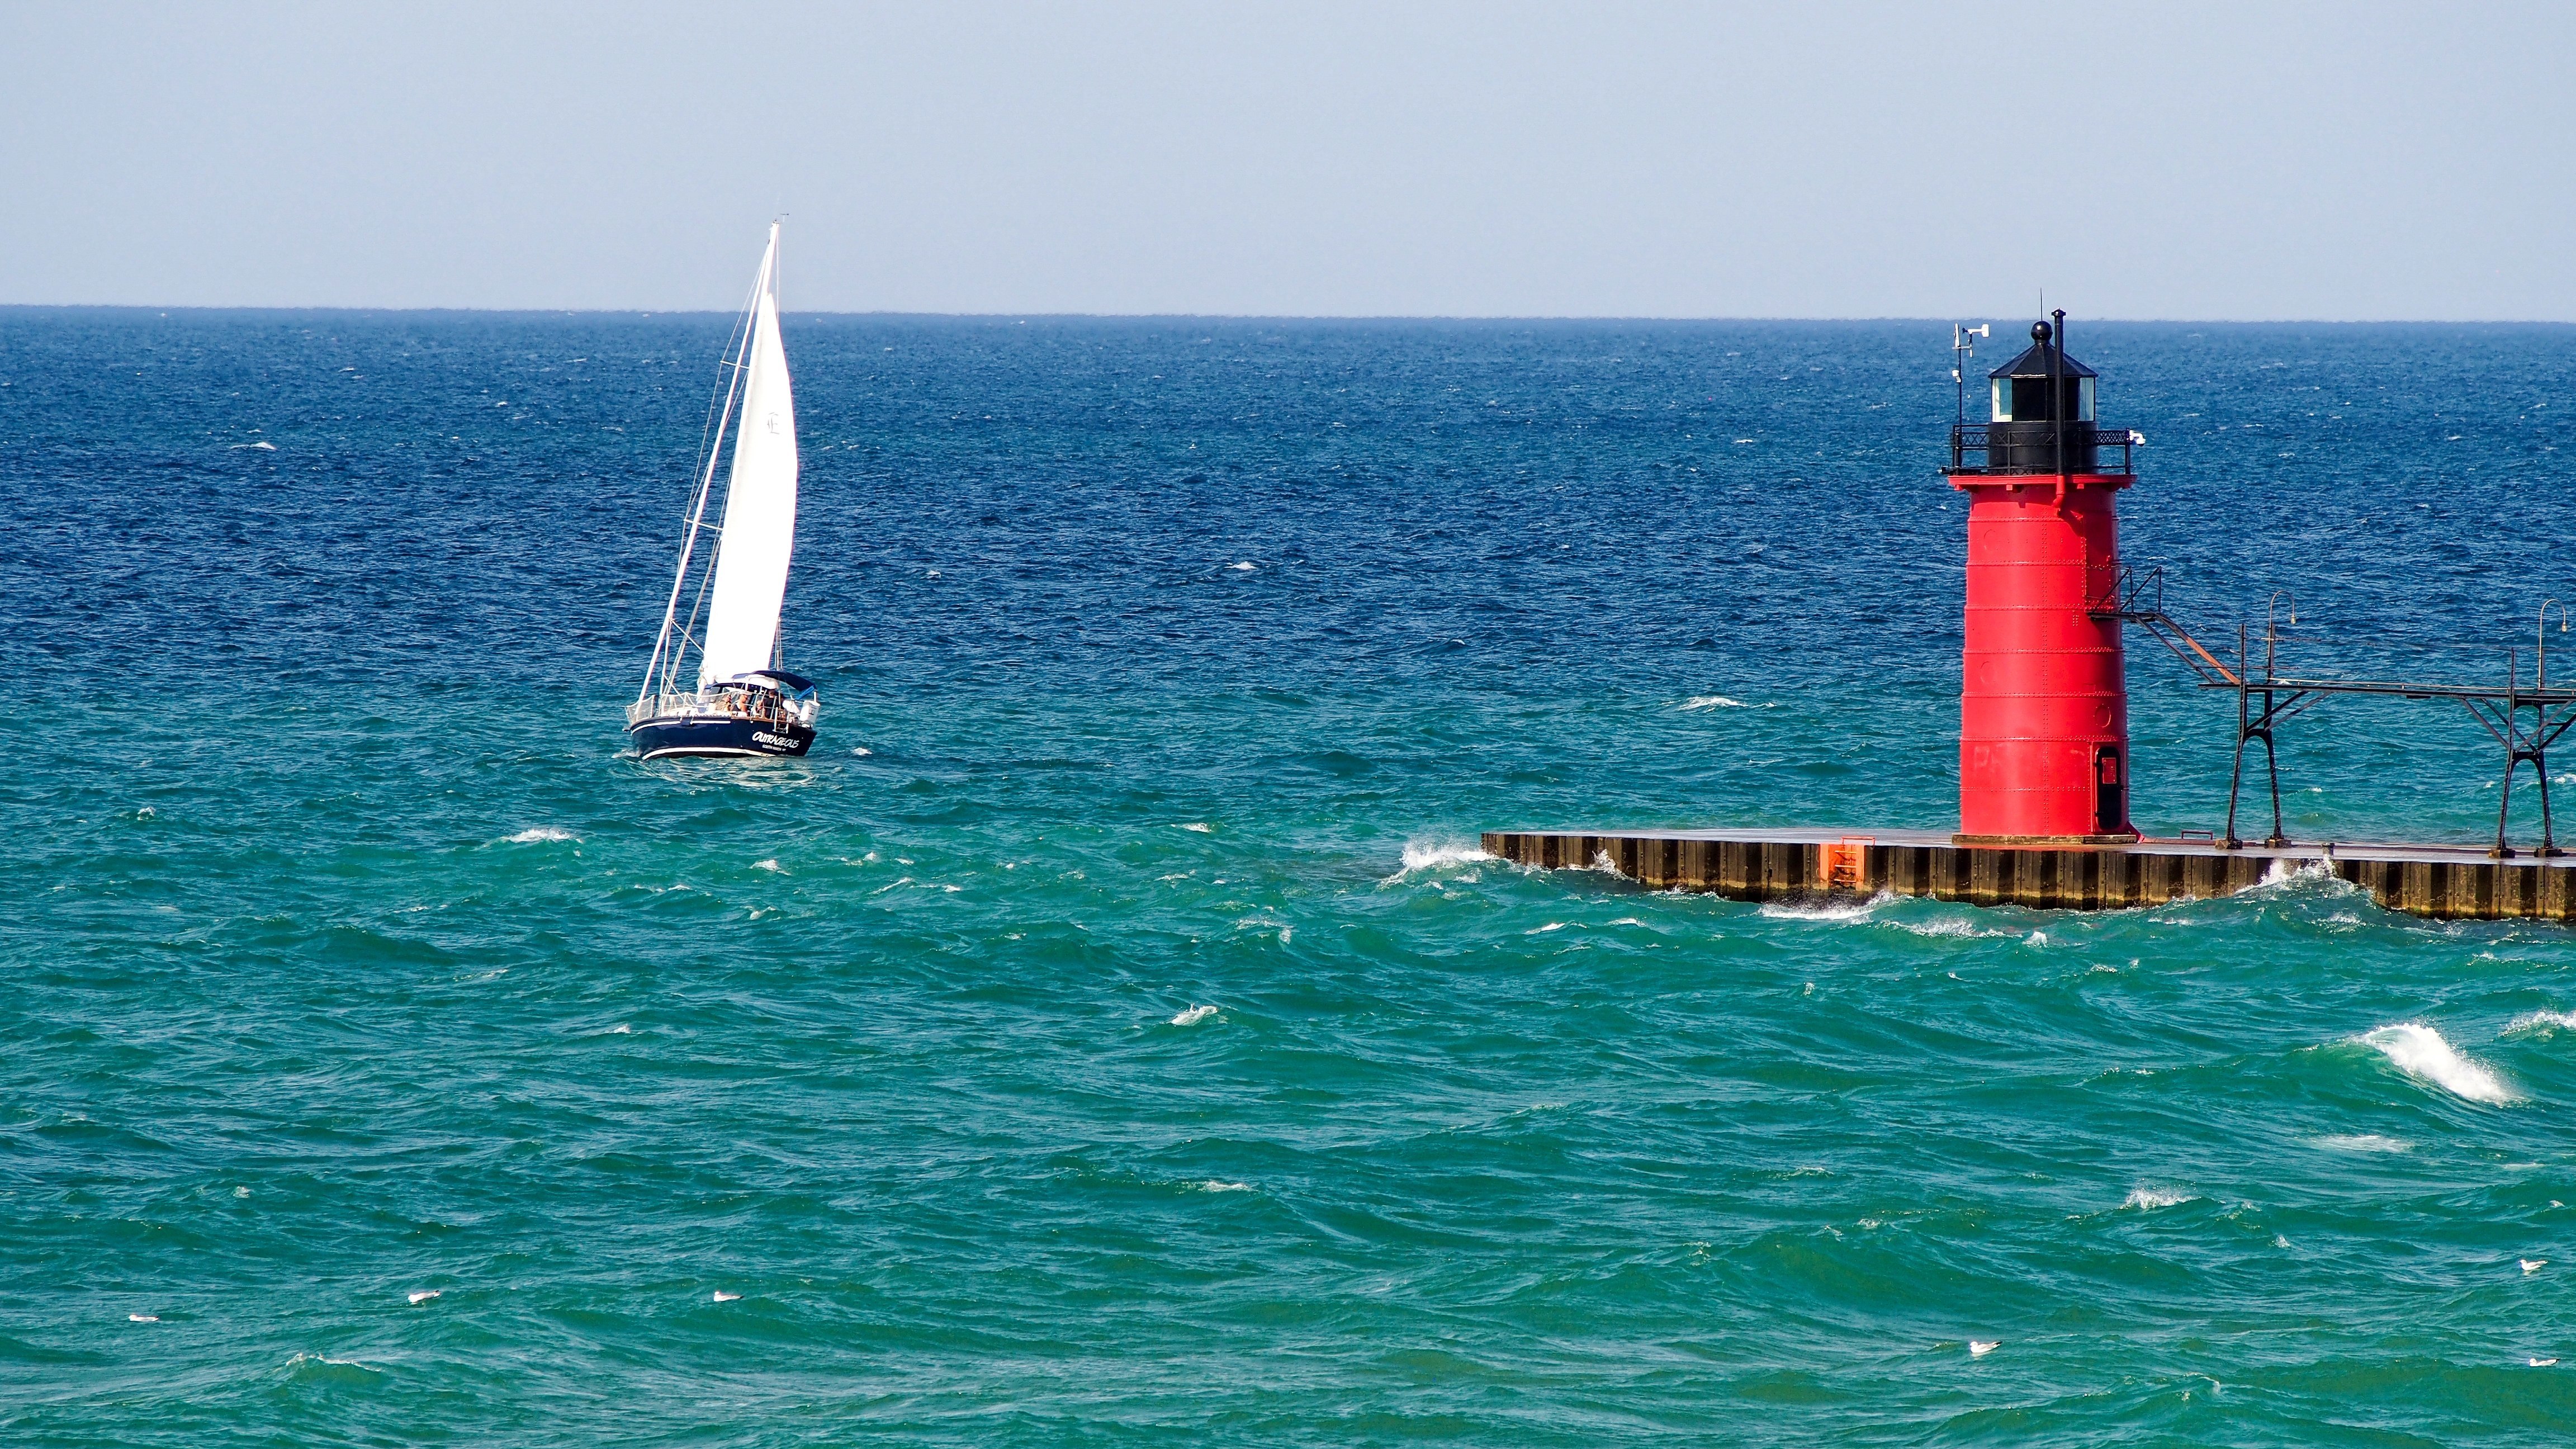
{"x": 697, "y": 706}
{"x": 2138, "y": 598}
{"x": 1972, "y": 438}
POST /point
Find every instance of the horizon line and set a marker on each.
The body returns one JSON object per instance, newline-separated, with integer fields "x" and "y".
{"x": 164, "y": 309}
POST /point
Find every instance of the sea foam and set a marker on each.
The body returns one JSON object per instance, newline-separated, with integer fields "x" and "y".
{"x": 2421, "y": 1053}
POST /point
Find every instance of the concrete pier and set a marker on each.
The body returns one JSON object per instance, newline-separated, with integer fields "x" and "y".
{"x": 2443, "y": 882}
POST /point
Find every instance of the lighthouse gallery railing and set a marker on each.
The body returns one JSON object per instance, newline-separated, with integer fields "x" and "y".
{"x": 1972, "y": 438}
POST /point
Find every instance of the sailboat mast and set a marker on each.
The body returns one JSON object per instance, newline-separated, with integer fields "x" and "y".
{"x": 706, "y": 484}
{"x": 757, "y": 533}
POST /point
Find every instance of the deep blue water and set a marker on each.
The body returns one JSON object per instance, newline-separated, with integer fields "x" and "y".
{"x": 345, "y": 959}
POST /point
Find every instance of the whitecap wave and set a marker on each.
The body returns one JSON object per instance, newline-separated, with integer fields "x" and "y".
{"x": 2365, "y": 1142}
{"x": 1952, "y": 926}
{"x": 539, "y": 834}
{"x": 2420, "y": 1052}
{"x": 2148, "y": 1196}
{"x": 1194, "y": 1015}
{"x": 302, "y": 1359}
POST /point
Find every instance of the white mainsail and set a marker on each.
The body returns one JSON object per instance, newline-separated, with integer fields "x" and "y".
{"x": 760, "y": 502}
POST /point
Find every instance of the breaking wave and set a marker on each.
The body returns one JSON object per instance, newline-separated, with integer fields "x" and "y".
{"x": 1836, "y": 912}
{"x": 2285, "y": 870}
{"x": 1419, "y": 855}
{"x": 2421, "y": 1053}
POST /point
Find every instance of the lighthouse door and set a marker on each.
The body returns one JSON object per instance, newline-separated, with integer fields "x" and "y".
{"x": 2109, "y": 818}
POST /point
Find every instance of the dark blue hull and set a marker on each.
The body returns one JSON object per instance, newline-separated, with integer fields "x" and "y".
{"x": 719, "y": 735}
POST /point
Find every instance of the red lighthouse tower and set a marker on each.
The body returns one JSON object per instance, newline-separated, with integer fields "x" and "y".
{"x": 2043, "y": 699}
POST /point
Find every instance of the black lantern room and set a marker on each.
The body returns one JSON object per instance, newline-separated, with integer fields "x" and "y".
{"x": 2043, "y": 418}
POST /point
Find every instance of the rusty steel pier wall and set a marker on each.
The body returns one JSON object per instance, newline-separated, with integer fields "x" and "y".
{"x": 2445, "y": 883}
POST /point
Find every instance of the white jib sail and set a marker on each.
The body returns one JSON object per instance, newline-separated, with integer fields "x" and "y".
{"x": 760, "y": 503}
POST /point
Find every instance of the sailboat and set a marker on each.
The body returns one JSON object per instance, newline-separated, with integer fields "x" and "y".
{"x": 740, "y": 700}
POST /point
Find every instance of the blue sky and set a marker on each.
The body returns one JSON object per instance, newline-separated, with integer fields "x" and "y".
{"x": 2176, "y": 160}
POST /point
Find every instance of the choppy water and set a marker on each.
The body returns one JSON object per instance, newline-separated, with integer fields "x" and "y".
{"x": 1110, "y": 1034}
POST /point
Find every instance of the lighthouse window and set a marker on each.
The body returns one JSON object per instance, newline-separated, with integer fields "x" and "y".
{"x": 2030, "y": 400}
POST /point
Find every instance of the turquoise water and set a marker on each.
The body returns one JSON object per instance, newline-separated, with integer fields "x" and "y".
{"x": 1110, "y": 1034}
